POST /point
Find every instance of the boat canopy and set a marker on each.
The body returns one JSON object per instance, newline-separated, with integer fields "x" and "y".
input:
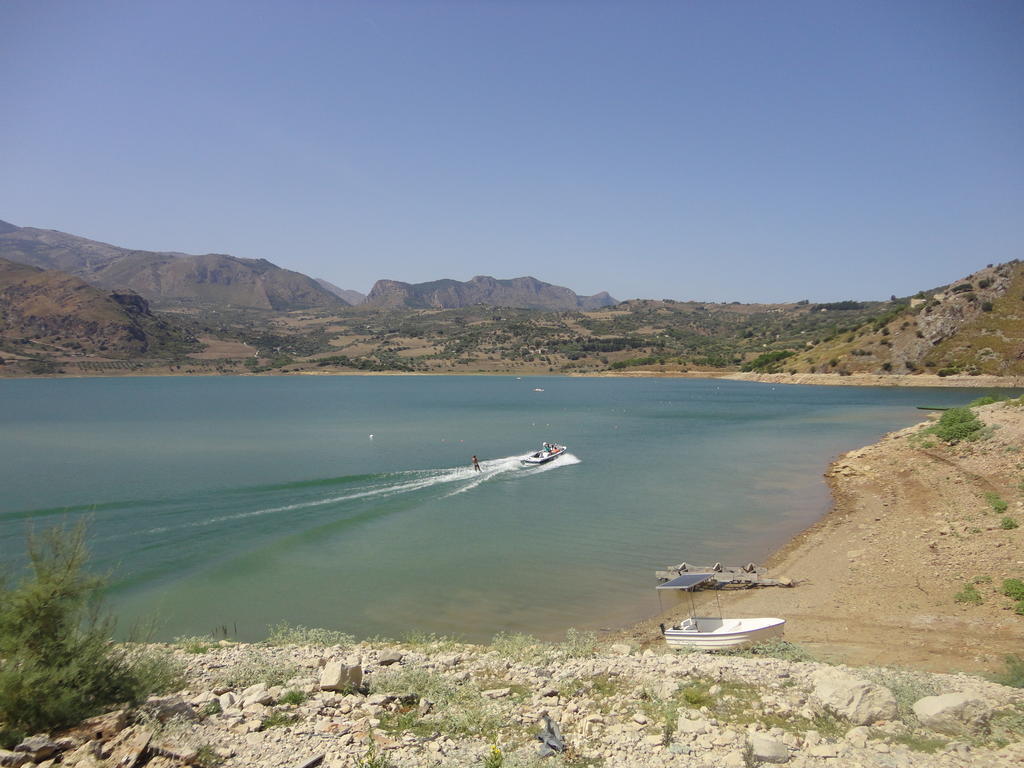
{"x": 687, "y": 581}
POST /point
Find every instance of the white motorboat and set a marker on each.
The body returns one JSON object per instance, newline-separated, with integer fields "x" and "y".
{"x": 548, "y": 452}
{"x": 709, "y": 633}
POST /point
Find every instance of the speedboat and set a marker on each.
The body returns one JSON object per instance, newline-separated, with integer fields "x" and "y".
{"x": 549, "y": 452}
{"x": 708, "y": 633}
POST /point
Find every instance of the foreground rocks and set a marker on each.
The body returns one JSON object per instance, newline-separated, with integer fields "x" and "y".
{"x": 444, "y": 704}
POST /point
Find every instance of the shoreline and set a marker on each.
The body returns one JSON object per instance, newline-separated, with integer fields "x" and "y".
{"x": 806, "y": 379}
{"x": 876, "y": 577}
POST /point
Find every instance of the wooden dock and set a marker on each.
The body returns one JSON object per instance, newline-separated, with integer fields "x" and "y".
{"x": 726, "y": 576}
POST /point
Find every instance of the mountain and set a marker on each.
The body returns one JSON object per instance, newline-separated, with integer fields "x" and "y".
{"x": 973, "y": 326}
{"x": 351, "y": 297}
{"x": 47, "y": 310}
{"x": 165, "y": 278}
{"x": 520, "y": 292}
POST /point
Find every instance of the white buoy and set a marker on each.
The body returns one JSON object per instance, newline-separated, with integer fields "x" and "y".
{"x": 371, "y": 437}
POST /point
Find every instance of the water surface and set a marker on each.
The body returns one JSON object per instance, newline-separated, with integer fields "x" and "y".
{"x": 241, "y": 502}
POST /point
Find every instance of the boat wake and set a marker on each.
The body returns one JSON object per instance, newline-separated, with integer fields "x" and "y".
{"x": 164, "y": 525}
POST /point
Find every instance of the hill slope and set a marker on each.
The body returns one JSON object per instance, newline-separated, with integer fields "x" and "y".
{"x": 48, "y": 311}
{"x": 520, "y": 292}
{"x": 974, "y": 325}
{"x": 167, "y": 278}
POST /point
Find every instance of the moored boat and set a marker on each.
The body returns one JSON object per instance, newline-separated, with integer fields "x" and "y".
{"x": 709, "y": 633}
{"x": 547, "y": 453}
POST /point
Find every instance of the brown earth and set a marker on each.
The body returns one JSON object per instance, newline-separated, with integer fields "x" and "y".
{"x": 911, "y": 525}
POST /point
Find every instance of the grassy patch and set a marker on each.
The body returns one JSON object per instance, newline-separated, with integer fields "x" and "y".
{"x": 776, "y": 649}
{"x": 521, "y": 648}
{"x": 969, "y": 594}
{"x": 1012, "y": 674}
{"x": 294, "y": 696}
{"x": 906, "y": 686}
{"x": 996, "y": 502}
{"x": 253, "y": 669}
{"x": 287, "y": 634}
{"x": 459, "y": 708}
{"x": 1008, "y": 524}
{"x": 278, "y": 720}
{"x": 577, "y": 645}
{"x": 196, "y": 644}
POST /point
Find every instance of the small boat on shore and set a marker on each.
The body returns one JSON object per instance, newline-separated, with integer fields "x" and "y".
{"x": 709, "y": 633}
{"x": 549, "y": 452}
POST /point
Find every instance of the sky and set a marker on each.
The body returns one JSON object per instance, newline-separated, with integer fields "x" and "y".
{"x": 710, "y": 151}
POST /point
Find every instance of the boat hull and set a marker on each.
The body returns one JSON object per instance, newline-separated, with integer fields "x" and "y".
{"x": 731, "y": 633}
{"x": 542, "y": 457}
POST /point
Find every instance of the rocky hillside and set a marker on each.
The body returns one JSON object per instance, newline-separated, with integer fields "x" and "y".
{"x": 44, "y": 311}
{"x": 167, "y": 279}
{"x": 520, "y": 292}
{"x": 973, "y": 326}
{"x": 408, "y": 705}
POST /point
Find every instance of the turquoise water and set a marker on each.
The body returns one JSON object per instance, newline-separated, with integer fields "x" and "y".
{"x": 242, "y": 502}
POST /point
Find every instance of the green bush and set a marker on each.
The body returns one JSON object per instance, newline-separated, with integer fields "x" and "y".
{"x": 957, "y": 424}
{"x": 996, "y": 502}
{"x": 57, "y": 663}
{"x": 1013, "y": 675}
{"x": 1008, "y": 524}
{"x": 969, "y": 594}
{"x": 1013, "y": 588}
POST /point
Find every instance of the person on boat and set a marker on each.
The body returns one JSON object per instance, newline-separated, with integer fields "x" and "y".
{"x": 476, "y": 464}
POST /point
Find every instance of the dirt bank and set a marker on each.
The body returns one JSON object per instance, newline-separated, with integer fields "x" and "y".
{"x": 911, "y": 524}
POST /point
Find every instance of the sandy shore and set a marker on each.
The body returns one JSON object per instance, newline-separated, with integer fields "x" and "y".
{"x": 879, "y": 380}
{"x": 876, "y": 578}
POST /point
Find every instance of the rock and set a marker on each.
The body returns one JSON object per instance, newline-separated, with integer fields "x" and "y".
{"x": 128, "y": 748}
{"x": 226, "y": 701}
{"x": 164, "y": 708}
{"x": 858, "y": 736}
{"x": 857, "y": 700}
{"x": 953, "y": 713}
{"x": 692, "y": 727}
{"x": 38, "y": 747}
{"x": 339, "y": 676}
{"x": 621, "y": 649}
{"x": 390, "y": 657}
{"x": 768, "y": 750}
{"x": 102, "y": 727}
{"x": 13, "y": 759}
{"x": 823, "y": 750}
{"x": 496, "y": 693}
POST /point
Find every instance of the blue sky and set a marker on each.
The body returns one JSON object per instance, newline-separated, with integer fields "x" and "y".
{"x": 718, "y": 151}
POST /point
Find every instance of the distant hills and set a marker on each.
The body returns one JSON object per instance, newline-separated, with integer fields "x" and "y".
{"x": 167, "y": 279}
{"x": 520, "y": 292}
{"x": 42, "y": 309}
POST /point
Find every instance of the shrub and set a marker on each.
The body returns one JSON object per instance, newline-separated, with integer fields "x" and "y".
{"x": 1008, "y": 524}
{"x": 1013, "y": 675}
{"x": 578, "y": 644}
{"x": 969, "y": 594}
{"x": 293, "y": 696}
{"x": 286, "y": 634}
{"x": 997, "y": 504}
{"x": 957, "y": 424}
{"x": 57, "y": 663}
{"x": 1013, "y": 588}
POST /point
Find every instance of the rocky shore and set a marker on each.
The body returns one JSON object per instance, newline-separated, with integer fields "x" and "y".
{"x": 443, "y": 704}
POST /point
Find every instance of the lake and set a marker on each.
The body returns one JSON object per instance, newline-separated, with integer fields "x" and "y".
{"x": 349, "y": 502}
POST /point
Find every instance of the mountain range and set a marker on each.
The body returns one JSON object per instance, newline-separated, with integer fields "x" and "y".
{"x": 170, "y": 279}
